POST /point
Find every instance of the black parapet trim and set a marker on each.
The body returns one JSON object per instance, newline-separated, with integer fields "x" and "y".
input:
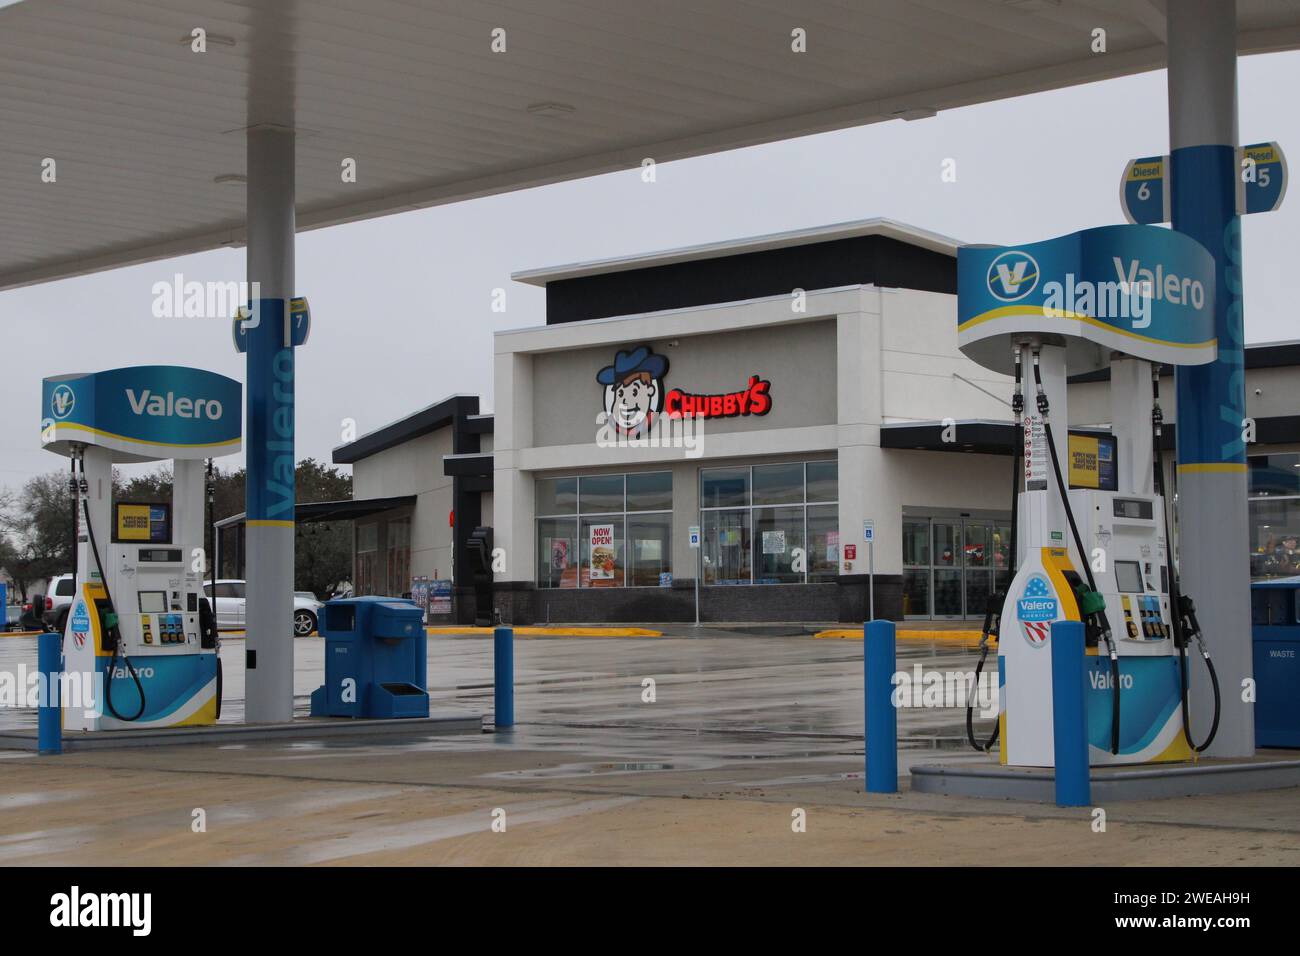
{"x": 857, "y": 260}
{"x": 466, "y": 466}
{"x": 459, "y": 410}
{"x": 1280, "y": 355}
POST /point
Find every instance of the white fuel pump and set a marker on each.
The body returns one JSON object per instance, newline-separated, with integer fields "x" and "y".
{"x": 140, "y": 633}
{"x": 1100, "y": 555}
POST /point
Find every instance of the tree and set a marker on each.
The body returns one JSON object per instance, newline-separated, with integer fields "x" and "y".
{"x": 323, "y": 550}
{"x": 317, "y": 481}
{"x": 41, "y": 520}
{"x": 9, "y": 557}
{"x": 41, "y": 523}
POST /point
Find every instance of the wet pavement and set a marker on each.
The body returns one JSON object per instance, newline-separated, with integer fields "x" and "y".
{"x": 778, "y": 695}
{"x": 742, "y": 731}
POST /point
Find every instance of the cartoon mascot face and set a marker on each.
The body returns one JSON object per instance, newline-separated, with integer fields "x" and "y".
{"x": 634, "y": 389}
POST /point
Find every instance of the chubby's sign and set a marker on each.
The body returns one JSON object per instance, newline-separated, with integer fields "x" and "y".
{"x": 753, "y": 399}
{"x": 635, "y": 394}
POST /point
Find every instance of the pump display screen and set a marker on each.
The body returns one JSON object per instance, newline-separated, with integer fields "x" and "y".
{"x": 148, "y": 523}
{"x": 1133, "y": 508}
{"x": 153, "y": 602}
{"x": 1129, "y": 576}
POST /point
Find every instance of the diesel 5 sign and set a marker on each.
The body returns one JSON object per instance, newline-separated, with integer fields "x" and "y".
{"x": 1145, "y": 191}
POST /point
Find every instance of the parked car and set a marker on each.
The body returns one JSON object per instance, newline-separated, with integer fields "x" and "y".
{"x": 59, "y": 593}
{"x": 31, "y": 618}
{"x": 229, "y": 603}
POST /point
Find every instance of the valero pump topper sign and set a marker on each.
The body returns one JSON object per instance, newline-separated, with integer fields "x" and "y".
{"x": 148, "y": 411}
{"x": 1141, "y": 290}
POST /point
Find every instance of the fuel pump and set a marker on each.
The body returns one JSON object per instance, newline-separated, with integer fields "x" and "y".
{"x": 136, "y": 631}
{"x": 1091, "y": 543}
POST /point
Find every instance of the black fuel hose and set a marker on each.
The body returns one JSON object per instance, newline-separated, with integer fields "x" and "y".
{"x": 1218, "y": 702}
{"x": 117, "y": 641}
{"x": 1044, "y": 408}
{"x": 997, "y": 600}
{"x": 970, "y": 701}
{"x": 1177, "y": 605}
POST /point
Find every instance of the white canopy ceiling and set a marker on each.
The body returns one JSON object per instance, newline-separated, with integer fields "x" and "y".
{"x": 141, "y": 128}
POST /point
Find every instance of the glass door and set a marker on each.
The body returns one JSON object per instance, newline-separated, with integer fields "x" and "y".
{"x": 952, "y": 565}
{"x": 916, "y": 568}
{"x": 978, "y": 558}
{"x": 947, "y": 557}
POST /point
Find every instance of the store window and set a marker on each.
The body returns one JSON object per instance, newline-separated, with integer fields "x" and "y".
{"x": 604, "y": 531}
{"x": 367, "y": 561}
{"x": 557, "y": 552}
{"x": 649, "y": 537}
{"x": 770, "y": 524}
{"x": 1274, "y": 502}
{"x": 399, "y": 556}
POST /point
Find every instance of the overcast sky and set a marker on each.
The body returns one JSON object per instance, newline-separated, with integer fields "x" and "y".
{"x": 401, "y": 306}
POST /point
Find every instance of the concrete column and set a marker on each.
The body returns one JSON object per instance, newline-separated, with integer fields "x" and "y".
{"x": 858, "y": 416}
{"x": 512, "y": 489}
{"x": 189, "y": 506}
{"x": 1212, "y": 510}
{"x": 1131, "y": 397}
{"x": 270, "y": 428}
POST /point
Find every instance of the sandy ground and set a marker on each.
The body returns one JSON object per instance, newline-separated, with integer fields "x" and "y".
{"x": 148, "y": 817}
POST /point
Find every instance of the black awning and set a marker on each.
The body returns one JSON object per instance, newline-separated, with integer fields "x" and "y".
{"x": 349, "y": 510}
{"x": 999, "y": 438}
{"x": 977, "y": 437}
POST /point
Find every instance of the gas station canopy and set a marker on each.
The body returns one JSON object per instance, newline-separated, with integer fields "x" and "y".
{"x": 148, "y": 136}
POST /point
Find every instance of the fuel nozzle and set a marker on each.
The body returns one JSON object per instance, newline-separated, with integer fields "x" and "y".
{"x": 992, "y": 618}
{"x": 1191, "y": 626}
{"x": 1092, "y": 609}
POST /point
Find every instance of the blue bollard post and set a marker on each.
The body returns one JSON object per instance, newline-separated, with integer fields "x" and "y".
{"x": 1069, "y": 716}
{"x": 881, "y": 746}
{"x": 49, "y": 716}
{"x": 503, "y": 675}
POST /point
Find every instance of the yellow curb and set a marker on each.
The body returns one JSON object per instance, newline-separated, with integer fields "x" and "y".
{"x": 561, "y": 631}
{"x": 244, "y": 634}
{"x": 21, "y": 633}
{"x": 906, "y": 634}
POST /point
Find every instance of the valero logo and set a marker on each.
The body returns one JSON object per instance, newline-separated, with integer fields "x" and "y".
{"x": 1036, "y": 610}
{"x": 62, "y": 401}
{"x": 1012, "y": 276}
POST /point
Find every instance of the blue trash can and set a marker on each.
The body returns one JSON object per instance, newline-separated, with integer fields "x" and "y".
{"x": 375, "y": 659}
{"x": 1275, "y": 629}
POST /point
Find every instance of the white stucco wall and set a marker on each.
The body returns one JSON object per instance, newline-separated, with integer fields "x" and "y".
{"x": 854, "y": 358}
{"x": 413, "y": 468}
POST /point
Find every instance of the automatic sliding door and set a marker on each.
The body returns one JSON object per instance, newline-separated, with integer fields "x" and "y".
{"x": 916, "y": 567}
{"x": 978, "y": 558}
{"x": 947, "y": 601}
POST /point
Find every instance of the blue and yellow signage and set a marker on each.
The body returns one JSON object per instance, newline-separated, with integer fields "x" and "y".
{"x": 1141, "y": 290}
{"x": 144, "y": 413}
